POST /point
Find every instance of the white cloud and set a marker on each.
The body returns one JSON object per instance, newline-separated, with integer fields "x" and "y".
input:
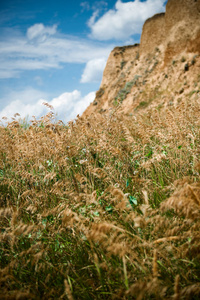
{"x": 4, "y": 74}
{"x": 44, "y": 48}
{"x": 25, "y": 96}
{"x": 39, "y": 30}
{"x": 23, "y": 109}
{"x": 94, "y": 70}
{"x": 99, "y": 5}
{"x": 85, "y": 6}
{"x": 66, "y": 106}
{"x": 125, "y": 20}
{"x": 96, "y": 5}
{"x": 91, "y": 21}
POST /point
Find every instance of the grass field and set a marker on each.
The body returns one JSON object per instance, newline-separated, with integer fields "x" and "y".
{"x": 106, "y": 207}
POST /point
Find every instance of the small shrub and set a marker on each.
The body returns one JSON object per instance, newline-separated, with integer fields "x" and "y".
{"x": 193, "y": 61}
{"x": 127, "y": 88}
{"x": 100, "y": 93}
{"x": 124, "y": 91}
{"x": 116, "y": 102}
{"x": 186, "y": 67}
{"x": 181, "y": 91}
{"x": 191, "y": 93}
{"x": 123, "y": 64}
{"x": 143, "y": 104}
{"x": 183, "y": 59}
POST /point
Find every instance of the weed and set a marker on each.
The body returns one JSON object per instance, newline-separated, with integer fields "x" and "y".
{"x": 102, "y": 208}
{"x": 126, "y": 90}
{"x": 183, "y": 59}
{"x": 142, "y": 104}
{"x": 123, "y": 63}
{"x": 193, "y": 61}
{"x": 186, "y": 67}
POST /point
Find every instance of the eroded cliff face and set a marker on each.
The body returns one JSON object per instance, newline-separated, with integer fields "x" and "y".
{"x": 153, "y": 34}
{"x": 174, "y": 31}
{"x": 115, "y": 74}
{"x": 182, "y": 27}
{"x": 160, "y": 70}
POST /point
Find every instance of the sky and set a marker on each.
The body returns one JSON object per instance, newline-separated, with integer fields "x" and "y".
{"x": 55, "y": 51}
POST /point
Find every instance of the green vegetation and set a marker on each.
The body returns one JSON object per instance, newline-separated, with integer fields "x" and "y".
{"x": 101, "y": 208}
{"x": 126, "y": 90}
{"x": 183, "y": 59}
{"x": 186, "y": 67}
{"x": 142, "y": 104}
{"x": 123, "y": 64}
{"x": 193, "y": 61}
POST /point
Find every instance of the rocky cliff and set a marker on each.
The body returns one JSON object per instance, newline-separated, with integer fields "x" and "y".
{"x": 159, "y": 70}
{"x": 182, "y": 27}
{"x": 153, "y": 34}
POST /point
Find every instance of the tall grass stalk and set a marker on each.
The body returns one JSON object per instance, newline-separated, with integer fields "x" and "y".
{"x": 106, "y": 207}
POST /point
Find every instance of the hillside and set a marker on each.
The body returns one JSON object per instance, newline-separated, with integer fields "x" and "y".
{"x": 108, "y": 205}
{"x": 162, "y": 70}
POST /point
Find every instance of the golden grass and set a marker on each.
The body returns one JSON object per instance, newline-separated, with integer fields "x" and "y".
{"x": 106, "y": 207}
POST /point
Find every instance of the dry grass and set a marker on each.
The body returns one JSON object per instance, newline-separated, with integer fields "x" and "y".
{"x": 103, "y": 208}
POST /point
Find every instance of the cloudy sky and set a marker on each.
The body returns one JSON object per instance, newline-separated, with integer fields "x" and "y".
{"x": 55, "y": 51}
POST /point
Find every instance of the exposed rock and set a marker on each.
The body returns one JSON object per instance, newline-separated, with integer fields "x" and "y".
{"x": 182, "y": 27}
{"x": 153, "y": 34}
{"x": 114, "y": 75}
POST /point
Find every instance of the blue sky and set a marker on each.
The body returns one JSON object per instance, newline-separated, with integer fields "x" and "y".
{"x": 56, "y": 51}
